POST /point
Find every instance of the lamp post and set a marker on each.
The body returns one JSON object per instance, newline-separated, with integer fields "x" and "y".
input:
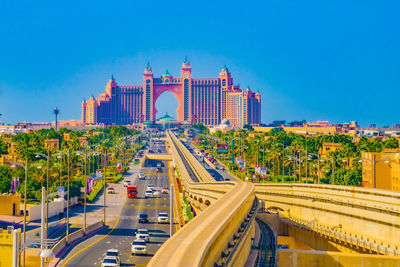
{"x": 319, "y": 168}
{"x": 25, "y": 166}
{"x": 47, "y": 157}
{"x": 85, "y": 189}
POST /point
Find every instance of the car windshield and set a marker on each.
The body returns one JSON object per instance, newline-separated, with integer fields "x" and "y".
{"x": 139, "y": 243}
{"x": 163, "y": 214}
{"x": 143, "y": 215}
{"x": 149, "y": 191}
{"x": 110, "y": 261}
{"x": 112, "y": 253}
{"x": 143, "y": 232}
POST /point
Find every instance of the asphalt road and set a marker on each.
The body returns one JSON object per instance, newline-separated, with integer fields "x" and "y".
{"x": 90, "y": 252}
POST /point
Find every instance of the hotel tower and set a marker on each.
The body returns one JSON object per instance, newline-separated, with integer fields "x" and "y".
{"x": 206, "y": 100}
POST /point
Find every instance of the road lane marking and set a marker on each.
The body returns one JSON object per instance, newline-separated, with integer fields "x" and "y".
{"x": 88, "y": 246}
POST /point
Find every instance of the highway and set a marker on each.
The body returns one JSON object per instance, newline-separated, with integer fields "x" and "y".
{"x": 120, "y": 231}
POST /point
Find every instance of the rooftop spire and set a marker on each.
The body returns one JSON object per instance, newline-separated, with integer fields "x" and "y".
{"x": 186, "y": 60}
{"x": 112, "y": 77}
{"x": 148, "y": 66}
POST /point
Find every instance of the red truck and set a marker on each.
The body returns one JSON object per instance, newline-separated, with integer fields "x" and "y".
{"x": 132, "y": 191}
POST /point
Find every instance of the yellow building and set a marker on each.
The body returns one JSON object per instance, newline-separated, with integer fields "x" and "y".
{"x": 51, "y": 144}
{"x": 9, "y": 204}
{"x": 381, "y": 169}
{"x": 328, "y": 147}
{"x": 83, "y": 141}
{"x": 306, "y": 130}
{"x": 6, "y": 247}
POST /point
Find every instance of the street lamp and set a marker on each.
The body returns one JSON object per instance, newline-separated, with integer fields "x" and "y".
{"x": 318, "y": 173}
{"x": 47, "y": 157}
{"x": 25, "y": 200}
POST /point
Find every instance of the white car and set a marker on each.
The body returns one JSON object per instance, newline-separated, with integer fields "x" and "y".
{"x": 158, "y": 164}
{"x": 110, "y": 261}
{"x": 150, "y": 187}
{"x": 143, "y": 234}
{"x": 141, "y": 176}
{"x": 127, "y": 183}
{"x": 138, "y": 247}
{"x": 156, "y": 193}
{"x": 148, "y": 193}
{"x": 113, "y": 253}
{"x": 162, "y": 217}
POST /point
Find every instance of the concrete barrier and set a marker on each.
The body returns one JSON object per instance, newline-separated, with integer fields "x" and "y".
{"x": 299, "y": 258}
{"x": 359, "y": 217}
{"x": 224, "y": 206}
{"x": 94, "y": 227}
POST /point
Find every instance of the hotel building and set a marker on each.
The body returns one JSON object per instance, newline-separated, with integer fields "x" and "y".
{"x": 205, "y": 100}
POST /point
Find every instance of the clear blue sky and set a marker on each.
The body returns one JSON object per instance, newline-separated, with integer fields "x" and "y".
{"x": 315, "y": 60}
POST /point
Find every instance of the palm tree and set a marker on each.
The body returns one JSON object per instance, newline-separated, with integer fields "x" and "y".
{"x": 56, "y": 111}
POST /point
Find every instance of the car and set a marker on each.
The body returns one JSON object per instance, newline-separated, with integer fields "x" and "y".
{"x": 150, "y": 187}
{"x": 164, "y": 190}
{"x": 162, "y": 217}
{"x": 143, "y": 218}
{"x": 113, "y": 253}
{"x": 110, "y": 190}
{"x": 138, "y": 247}
{"x": 141, "y": 176}
{"x": 156, "y": 193}
{"x": 148, "y": 193}
{"x": 150, "y": 151}
{"x": 159, "y": 169}
{"x": 127, "y": 183}
{"x": 110, "y": 261}
{"x": 143, "y": 234}
{"x": 159, "y": 165}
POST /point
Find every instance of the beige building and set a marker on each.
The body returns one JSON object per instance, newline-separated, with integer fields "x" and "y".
{"x": 328, "y": 147}
{"x": 381, "y": 169}
{"x": 51, "y": 144}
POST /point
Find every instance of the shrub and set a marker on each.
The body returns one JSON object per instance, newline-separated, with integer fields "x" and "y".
{"x": 96, "y": 190}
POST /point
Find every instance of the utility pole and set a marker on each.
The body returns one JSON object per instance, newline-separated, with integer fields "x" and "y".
{"x": 42, "y": 223}
{"x": 84, "y": 195}
{"x": 25, "y": 200}
{"x": 47, "y": 193}
{"x": 67, "y": 230}
{"x": 171, "y": 210}
{"x": 104, "y": 190}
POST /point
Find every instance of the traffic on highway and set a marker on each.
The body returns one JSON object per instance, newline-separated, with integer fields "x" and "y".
{"x": 134, "y": 236}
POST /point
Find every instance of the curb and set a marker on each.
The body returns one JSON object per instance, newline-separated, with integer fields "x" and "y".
{"x": 70, "y": 246}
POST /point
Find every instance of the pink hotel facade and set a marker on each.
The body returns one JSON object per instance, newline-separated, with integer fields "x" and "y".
{"x": 206, "y": 101}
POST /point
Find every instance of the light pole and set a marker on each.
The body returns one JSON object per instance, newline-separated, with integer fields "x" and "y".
{"x": 69, "y": 172}
{"x": 319, "y": 168}
{"x": 85, "y": 185}
{"x": 25, "y": 200}
{"x": 47, "y": 157}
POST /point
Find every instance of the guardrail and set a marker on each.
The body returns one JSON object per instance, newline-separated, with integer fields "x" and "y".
{"x": 360, "y": 217}
{"x": 221, "y": 232}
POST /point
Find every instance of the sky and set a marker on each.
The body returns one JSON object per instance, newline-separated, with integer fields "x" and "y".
{"x": 314, "y": 60}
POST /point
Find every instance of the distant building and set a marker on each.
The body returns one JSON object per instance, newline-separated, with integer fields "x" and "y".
{"x": 328, "y": 148}
{"x": 205, "y": 100}
{"x": 381, "y": 169}
{"x": 51, "y": 144}
{"x": 223, "y": 127}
